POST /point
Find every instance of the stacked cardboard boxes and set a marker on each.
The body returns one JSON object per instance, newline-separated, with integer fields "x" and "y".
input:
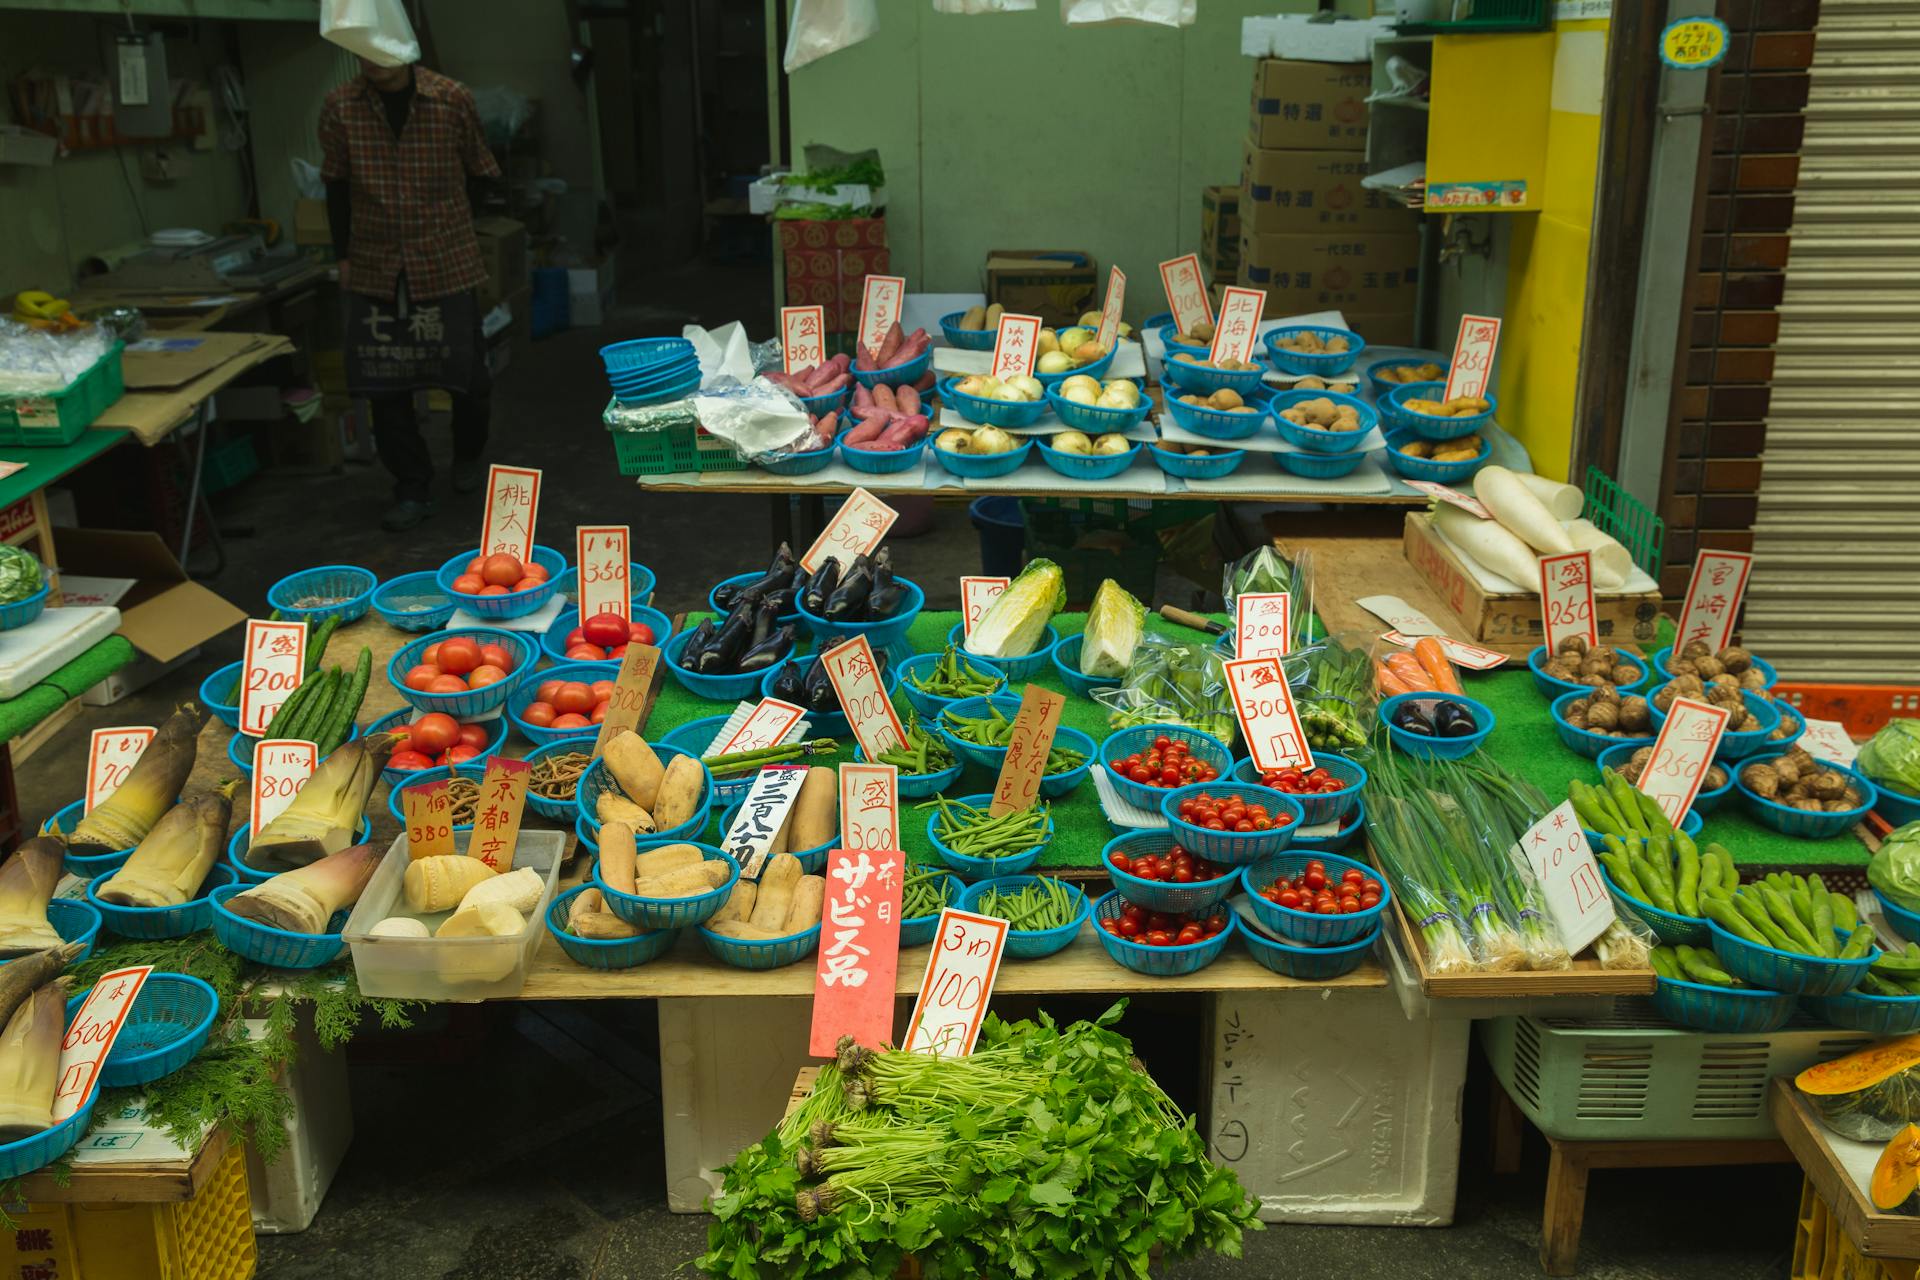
{"x": 1220, "y": 234}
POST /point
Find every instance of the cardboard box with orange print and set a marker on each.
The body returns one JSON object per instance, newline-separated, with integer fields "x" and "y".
{"x": 828, "y": 263}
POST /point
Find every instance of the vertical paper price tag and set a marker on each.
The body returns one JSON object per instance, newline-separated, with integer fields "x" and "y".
{"x": 429, "y": 813}
{"x": 1116, "y": 300}
{"x": 513, "y": 503}
{"x": 1014, "y": 346}
{"x": 1268, "y": 720}
{"x": 1262, "y": 624}
{"x": 1400, "y": 615}
{"x": 765, "y": 726}
{"x": 633, "y": 692}
{"x": 856, "y": 682}
{"x": 1186, "y": 292}
{"x": 859, "y": 950}
{"x": 856, "y": 528}
{"x": 1570, "y": 883}
{"x": 1827, "y": 740}
{"x": 1034, "y": 725}
{"x": 1462, "y": 654}
{"x": 496, "y": 821}
{"x": 1472, "y": 506}
{"x": 281, "y": 766}
{"x": 957, "y": 984}
{"x": 976, "y": 594}
{"x": 1239, "y": 325}
{"x": 1714, "y": 592}
{"x": 90, "y": 1036}
{"x": 1566, "y": 598}
{"x": 880, "y": 302}
{"x": 1473, "y": 353}
{"x": 869, "y": 806}
{"x": 275, "y": 657}
{"x": 803, "y": 337}
{"x": 1681, "y": 754}
{"x": 605, "y": 570}
{"x": 111, "y": 755}
{"x": 762, "y": 814}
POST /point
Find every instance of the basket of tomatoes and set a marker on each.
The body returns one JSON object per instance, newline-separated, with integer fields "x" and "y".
{"x": 501, "y": 585}
{"x": 1154, "y": 870}
{"x": 568, "y": 701}
{"x": 1320, "y": 900}
{"x": 1147, "y": 760}
{"x": 1327, "y": 789}
{"x": 1159, "y": 944}
{"x": 1232, "y": 823}
{"x": 436, "y": 739}
{"x": 604, "y": 637}
{"x": 467, "y": 674}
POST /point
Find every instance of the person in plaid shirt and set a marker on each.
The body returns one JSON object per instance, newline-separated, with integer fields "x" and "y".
{"x": 400, "y": 146}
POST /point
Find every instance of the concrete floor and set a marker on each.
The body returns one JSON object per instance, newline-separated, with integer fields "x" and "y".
{"x": 524, "y": 1142}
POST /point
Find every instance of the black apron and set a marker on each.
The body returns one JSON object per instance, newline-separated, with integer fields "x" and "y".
{"x": 402, "y": 344}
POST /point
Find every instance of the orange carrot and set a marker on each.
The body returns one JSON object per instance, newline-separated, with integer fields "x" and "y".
{"x": 1386, "y": 683}
{"x": 1410, "y": 672}
{"x": 1433, "y": 658}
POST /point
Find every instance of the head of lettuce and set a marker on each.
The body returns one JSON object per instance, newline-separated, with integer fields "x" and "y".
{"x": 1895, "y": 869}
{"x": 1891, "y": 757}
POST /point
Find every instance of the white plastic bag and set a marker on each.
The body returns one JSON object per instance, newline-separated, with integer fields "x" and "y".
{"x": 1157, "y": 13}
{"x": 821, "y": 27}
{"x": 983, "y": 6}
{"x": 376, "y": 30}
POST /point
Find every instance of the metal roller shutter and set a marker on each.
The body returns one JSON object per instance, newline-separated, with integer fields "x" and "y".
{"x": 1836, "y": 583}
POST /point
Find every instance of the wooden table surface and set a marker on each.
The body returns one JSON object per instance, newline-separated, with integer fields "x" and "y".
{"x": 1874, "y": 1233}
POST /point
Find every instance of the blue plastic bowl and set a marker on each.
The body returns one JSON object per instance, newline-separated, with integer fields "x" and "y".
{"x": 496, "y": 738}
{"x": 74, "y": 921}
{"x": 1052, "y": 785}
{"x": 276, "y": 948}
{"x": 553, "y": 639}
{"x": 1660, "y": 656}
{"x": 1231, "y": 848}
{"x": 1801, "y": 824}
{"x": 1157, "y": 962}
{"x": 742, "y": 580}
{"x": 1325, "y": 806}
{"x": 1738, "y": 746}
{"x": 240, "y": 750}
{"x": 1308, "y": 928}
{"x": 1194, "y": 898}
{"x": 1436, "y": 748}
{"x": 928, "y": 706}
{"x": 1093, "y": 418}
{"x": 966, "y": 339}
{"x": 988, "y": 412}
{"x": 827, "y": 401}
{"x": 1336, "y": 841}
{"x": 561, "y": 811}
{"x": 677, "y": 378}
{"x": 1122, "y": 743}
{"x": 1088, "y": 466}
{"x": 693, "y": 738}
{"x": 1431, "y": 426}
{"x": 1896, "y": 808}
{"x": 1904, "y": 922}
{"x": 245, "y": 877}
{"x": 1216, "y": 424}
{"x": 984, "y": 465}
{"x": 829, "y": 724}
{"x": 514, "y": 604}
{"x": 879, "y": 633}
{"x": 595, "y": 780}
{"x": 1205, "y": 380}
{"x": 638, "y": 355}
{"x": 731, "y": 688}
{"x": 1302, "y": 363}
{"x": 1690, "y": 823}
{"x": 1313, "y": 439}
{"x": 919, "y": 786}
{"x": 1173, "y": 348}
{"x": 217, "y": 688}
{"x": 161, "y": 922}
{"x": 761, "y": 953}
{"x": 1030, "y": 944}
{"x": 413, "y": 602}
{"x": 528, "y": 693}
{"x": 604, "y": 953}
{"x": 1006, "y": 704}
{"x": 1670, "y": 927}
{"x": 350, "y": 584}
{"x": 1796, "y": 725}
{"x": 1066, "y": 661}
{"x": 803, "y": 463}
{"x": 668, "y": 913}
{"x": 972, "y": 868}
{"x": 879, "y": 462}
{"x": 1321, "y": 466}
{"x": 1381, "y": 386}
{"x": 918, "y": 931}
{"x": 1746, "y": 1010}
{"x": 88, "y": 866}
{"x": 1411, "y": 468}
{"x": 467, "y": 704}
{"x": 1024, "y": 667}
{"x": 396, "y": 804}
{"x": 640, "y": 584}
{"x": 19, "y": 614}
{"x": 1788, "y": 971}
{"x": 1553, "y": 687}
{"x": 1859, "y": 1011}
{"x": 168, "y": 1024}
{"x": 1197, "y": 467}
{"x": 1703, "y": 803}
{"x": 1583, "y": 741}
{"x": 1307, "y": 964}
{"x": 895, "y": 375}
{"x": 812, "y": 861}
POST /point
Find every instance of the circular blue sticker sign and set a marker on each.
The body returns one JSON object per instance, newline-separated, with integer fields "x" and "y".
{"x": 1694, "y": 44}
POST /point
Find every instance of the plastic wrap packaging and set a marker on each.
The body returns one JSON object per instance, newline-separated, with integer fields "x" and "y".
{"x": 759, "y": 419}
{"x": 971, "y": 7}
{"x": 1334, "y": 694}
{"x": 1267, "y": 570}
{"x": 35, "y": 361}
{"x": 1152, "y": 13}
{"x": 1168, "y": 682}
{"x": 1628, "y": 943}
{"x": 821, "y": 27}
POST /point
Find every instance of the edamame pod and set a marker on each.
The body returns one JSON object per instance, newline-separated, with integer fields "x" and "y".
{"x": 1723, "y": 913}
{"x": 1700, "y": 967}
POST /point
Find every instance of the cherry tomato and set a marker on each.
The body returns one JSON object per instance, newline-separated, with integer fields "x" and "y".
{"x": 1290, "y": 898}
{"x": 1159, "y": 938}
{"x": 1189, "y": 934}
{"x": 1139, "y": 773}
{"x": 1121, "y": 863}
{"x": 1134, "y": 912}
{"x": 1128, "y": 928}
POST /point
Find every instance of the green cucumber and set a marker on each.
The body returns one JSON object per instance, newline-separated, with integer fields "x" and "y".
{"x": 317, "y": 642}
{"x": 316, "y": 708}
{"x": 287, "y": 710}
{"x": 340, "y": 722}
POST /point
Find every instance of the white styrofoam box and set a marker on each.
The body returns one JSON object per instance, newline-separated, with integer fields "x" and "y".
{"x": 1297, "y": 36}
{"x": 31, "y": 653}
{"x": 287, "y": 1193}
{"x": 1333, "y": 1107}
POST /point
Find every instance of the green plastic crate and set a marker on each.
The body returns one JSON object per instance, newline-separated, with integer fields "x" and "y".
{"x": 672, "y": 450}
{"x": 1634, "y": 1076}
{"x": 59, "y": 417}
{"x": 228, "y": 464}
{"x": 1623, "y": 517}
{"x": 1485, "y": 17}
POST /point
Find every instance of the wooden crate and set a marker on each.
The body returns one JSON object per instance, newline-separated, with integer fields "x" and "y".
{"x": 1585, "y": 978}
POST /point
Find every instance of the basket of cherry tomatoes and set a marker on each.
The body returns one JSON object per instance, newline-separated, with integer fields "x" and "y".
{"x": 1147, "y": 760}
{"x": 1327, "y": 789}
{"x": 466, "y": 674}
{"x": 567, "y": 701}
{"x": 502, "y": 585}
{"x": 1318, "y": 900}
{"x": 1232, "y": 823}
{"x": 604, "y": 637}
{"x": 1160, "y": 944}
{"x": 1153, "y": 869}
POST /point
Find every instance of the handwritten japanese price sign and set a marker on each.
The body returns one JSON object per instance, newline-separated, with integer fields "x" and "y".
{"x": 496, "y": 821}
{"x": 1460, "y": 653}
{"x": 276, "y": 655}
{"x": 1714, "y": 592}
{"x": 869, "y": 806}
{"x": 1827, "y": 740}
{"x": 1186, "y": 292}
{"x": 976, "y": 595}
{"x": 1473, "y": 356}
{"x": 281, "y": 766}
{"x": 1472, "y": 506}
{"x": 856, "y": 529}
{"x": 1262, "y": 624}
{"x": 1013, "y": 346}
{"x": 1681, "y": 755}
{"x": 111, "y": 755}
{"x": 957, "y": 985}
{"x": 856, "y": 682}
{"x": 1027, "y": 746}
{"x": 1268, "y": 720}
{"x": 1239, "y": 324}
{"x": 429, "y": 813}
{"x": 880, "y": 303}
{"x": 605, "y": 570}
{"x": 859, "y": 950}
{"x": 513, "y": 504}
{"x": 631, "y": 701}
{"x": 1400, "y": 615}
{"x": 803, "y": 337}
{"x": 1570, "y": 883}
{"x": 91, "y": 1034}
{"x": 763, "y": 814}
{"x": 765, "y": 726}
{"x": 1566, "y": 598}
{"x": 1109, "y": 331}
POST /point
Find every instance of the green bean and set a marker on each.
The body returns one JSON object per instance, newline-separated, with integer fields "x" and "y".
{"x": 977, "y": 833}
{"x": 1046, "y": 904}
{"x": 924, "y": 892}
{"x": 922, "y": 752}
{"x": 996, "y": 730}
{"x": 953, "y": 677}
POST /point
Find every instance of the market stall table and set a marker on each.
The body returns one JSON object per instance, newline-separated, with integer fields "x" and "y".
{"x": 1838, "y": 1168}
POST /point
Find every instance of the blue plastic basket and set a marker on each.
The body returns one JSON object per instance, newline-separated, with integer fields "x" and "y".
{"x": 553, "y": 639}
{"x": 1746, "y": 1010}
{"x": 1335, "y": 841}
{"x": 1216, "y": 424}
{"x": 604, "y": 953}
{"x": 1670, "y": 927}
{"x": 895, "y": 375}
{"x": 1323, "y": 806}
{"x": 595, "y": 780}
{"x": 1411, "y": 468}
{"x": 972, "y": 868}
{"x": 1094, "y": 418}
{"x": 879, "y": 633}
{"x": 966, "y": 339}
{"x": 217, "y": 688}
{"x": 1858, "y": 1011}
{"x": 761, "y": 953}
{"x": 1056, "y": 785}
{"x": 639, "y": 355}
{"x": 1066, "y": 661}
{"x": 74, "y": 921}
{"x": 984, "y": 465}
{"x": 23, "y": 1156}
{"x": 240, "y": 750}
{"x": 562, "y": 811}
{"x": 1381, "y": 387}
{"x": 1795, "y": 724}
{"x": 276, "y": 948}
{"x": 812, "y": 861}
{"x": 918, "y": 931}
{"x": 1302, "y": 363}
{"x": 669, "y": 913}
{"x": 21, "y": 612}
{"x": 991, "y": 413}
{"x": 1030, "y": 944}
{"x": 742, "y": 580}
{"x": 1190, "y": 466}
{"x": 1738, "y": 746}
{"x": 693, "y": 738}
{"x": 1194, "y": 898}
{"x": 986, "y": 757}
{"x": 1088, "y": 466}
{"x": 1690, "y": 823}
{"x": 1122, "y": 743}
{"x": 1703, "y": 803}
{"x": 730, "y": 688}
{"x": 168, "y": 1024}
{"x": 1205, "y": 380}
{"x": 1431, "y": 426}
{"x": 662, "y": 394}
{"x": 413, "y": 602}
{"x": 351, "y": 585}
{"x": 666, "y": 371}
{"x": 1767, "y": 672}
{"x": 919, "y": 786}
{"x": 1320, "y": 466}
{"x": 1436, "y": 748}
{"x": 1904, "y": 922}
{"x": 803, "y": 463}
{"x": 928, "y": 706}
{"x": 528, "y": 693}
{"x": 879, "y": 462}
{"x": 394, "y": 720}
{"x": 1788, "y": 971}
{"x": 245, "y": 876}
{"x": 1231, "y": 848}
{"x": 467, "y": 704}
{"x": 396, "y": 804}
{"x": 1552, "y": 687}
{"x": 1157, "y": 962}
{"x": 1173, "y": 348}
{"x": 153, "y": 923}
{"x": 1307, "y": 964}
{"x": 1092, "y": 369}
{"x": 84, "y": 866}
{"x": 1896, "y": 808}
{"x": 1308, "y": 928}
{"x": 513, "y": 604}
{"x": 1314, "y": 439}
{"x": 1584, "y": 741}
{"x": 1800, "y": 823}
{"x": 1024, "y": 667}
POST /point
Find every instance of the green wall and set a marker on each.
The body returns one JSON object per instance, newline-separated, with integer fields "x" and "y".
{"x": 1012, "y": 131}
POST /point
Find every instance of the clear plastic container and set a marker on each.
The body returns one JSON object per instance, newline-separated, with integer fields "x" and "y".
{"x": 452, "y": 969}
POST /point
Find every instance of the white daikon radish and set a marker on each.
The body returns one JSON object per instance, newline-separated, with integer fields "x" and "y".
{"x": 1490, "y": 544}
{"x": 1611, "y": 563}
{"x": 1563, "y": 500}
{"x": 1525, "y": 516}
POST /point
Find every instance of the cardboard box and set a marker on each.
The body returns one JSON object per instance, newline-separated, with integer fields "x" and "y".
{"x": 310, "y": 224}
{"x": 1220, "y": 233}
{"x": 828, "y": 263}
{"x": 166, "y": 616}
{"x": 1303, "y": 190}
{"x": 1319, "y": 106}
{"x": 590, "y": 294}
{"x": 1375, "y": 272}
{"x": 1511, "y": 623}
{"x": 1058, "y": 285}
{"x": 503, "y": 248}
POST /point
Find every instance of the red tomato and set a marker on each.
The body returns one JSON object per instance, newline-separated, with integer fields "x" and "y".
{"x": 433, "y": 733}
{"x": 546, "y": 690}
{"x": 1122, "y": 863}
{"x": 430, "y": 656}
{"x": 1129, "y": 928}
{"x": 571, "y": 721}
{"x": 599, "y": 712}
{"x": 1159, "y": 938}
{"x": 586, "y": 653}
{"x": 601, "y": 689}
{"x": 537, "y": 571}
{"x": 421, "y": 676}
{"x": 409, "y": 759}
{"x": 606, "y": 629}
{"x": 484, "y": 676}
{"x": 458, "y": 656}
{"x": 469, "y": 584}
{"x": 502, "y": 570}
{"x": 476, "y": 564}
{"x": 491, "y": 590}
{"x": 576, "y": 636}
{"x": 574, "y": 698}
{"x": 640, "y": 633}
{"x": 447, "y": 684}
{"x": 474, "y": 736}
{"x": 540, "y": 713}
{"x": 527, "y": 584}
{"x": 618, "y": 651}
{"x": 497, "y": 655}
{"x": 461, "y": 751}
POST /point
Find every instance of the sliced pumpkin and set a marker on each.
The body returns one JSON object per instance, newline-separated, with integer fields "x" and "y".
{"x": 1868, "y": 1095}
{"x": 1896, "y": 1174}
{"x": 1860, "y": 1069}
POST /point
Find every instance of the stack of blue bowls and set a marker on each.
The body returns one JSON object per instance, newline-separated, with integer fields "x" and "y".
{"x": 651, "y": 370}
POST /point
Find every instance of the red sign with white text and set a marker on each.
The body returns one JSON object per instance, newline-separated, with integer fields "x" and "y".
{"x": 1714, "y": 592}
{"x": 1473, "y": 356}
{"x": 856, "y": 529}
{"x": 274, "y": 656}
{"x": 957, "y": 985}
{"x": 1268, "y": 719}
{"x": 869, "y": 806}
{"x": 1239, "y": 325}
{"x": 1014, "y": 346}
{"x": 880, "y": 303}
{"x": 1262, "y": 624}
{"x": 1186, "y": 292}
{"x": 111, "y": 755}
{"x": 803, "y": 337}
{"x": 1681, "y": 755}
{"x": 859, "y": 949}
{"x": 1566, "y": 598}
{"x": 1109, "y": 332}
{"x": 604, "y": 571}
{"x": 976, "y": 595}
{"x": 856, "y": 682}
{"x": 90, "y": 1036}
{"x": 281, "y": 766}
{"x": 765, "y": 726}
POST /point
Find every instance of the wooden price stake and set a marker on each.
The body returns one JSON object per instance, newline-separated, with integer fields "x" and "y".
{"x": 1027, "y": 746}
{"x": 803, "y": 337}
{"x": 1562, "y": 862}
{"x": 1681, "y": 754}
{"x": 1714, "y": 593}
{"x": 276, "y": 655}
{"x": 869, "y": 806}
{"x": 957, "y": 984}
{"x": 513, "y": 504}
{"x": 634, "y": 690}
{"x": 496, "y": 821}
{"x": 429, "y": 812}
{"x": 1473, "y": 351}
{"x": 1109, "y": 331}
{"x": 766, "y": 726}
{"x": 880, "y": 302}
{"x": 977, "y": 595}
{"x": 605, "y": 572}
{"x": 90, "y": 1036}
{"x": 856, "y": 682}
{"x": 281, "y": 766}
{"x": 1186, "y": 290}
{"x": 859, "y": 950}
{"x": 1268, "y": 720}
{"x": 1014, "y": 346}
{"x": 856, "y": 528}
{"x": 1239, "y": 326}
{"x": 1262, "y": 624}
{"x": 1566, "y": 599}
{"x": 111, "y": 755}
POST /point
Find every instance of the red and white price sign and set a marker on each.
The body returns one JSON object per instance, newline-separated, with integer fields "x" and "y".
{"x": 1268, "y": 720}
{"x": 1014, "y": 346}
{"x": 1827, "y": 740}
{"x": 1109, "y": 331}
{"x": 1239, "y": 325}
{"x": 1186, "y": 290}
{"x": 859, "y": 949}
{"x": 856, "y": 682}
{"x": 90, "y": 1036}
{"x": 976, "y": 596}
{"x": 766, "y": 726}
{"x": 513, "y": 502}
{"x": 1472, "y": 506}
{"x": 281, "y": 766}
{"x": 869, "y": 806}
{"x": 1262, "y": 624}
{"x": 275, "y": 657}
{"x": 856, "y": 528}
{"x": 803, "y": 337}
{"x": 1714, "y": 592}
{"x": 1570, "y": 883}
{"x": 1566, "y": 598}
{"x": 605, "y": 570}
{"x": 1462, "y": 654}
{"x": 111, "y": 755}
{"x": 957, "y": 985}
{"x": 880, "y": 303}
{"x": 1681, "y": 755}
{"x": 1473, "y": 356}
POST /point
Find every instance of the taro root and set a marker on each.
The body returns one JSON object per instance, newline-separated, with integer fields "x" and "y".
{"x": 1735, "y": 659}
{"x": 1762, "y": 779}
{"x": 1572, "y": 644}
{"x": 1827, "y": 785}
{"x": 1635, "y": 715}
{"x": 1753, "y": 678}
{"x": 1696, "y": 649}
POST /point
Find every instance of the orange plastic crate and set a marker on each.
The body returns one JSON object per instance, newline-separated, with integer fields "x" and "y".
{"x": 1863, "y": 708}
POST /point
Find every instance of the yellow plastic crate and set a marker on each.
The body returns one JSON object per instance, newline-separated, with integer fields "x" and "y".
{"x": 1822, "y": 1251}
{"x": 209, "y": 1237}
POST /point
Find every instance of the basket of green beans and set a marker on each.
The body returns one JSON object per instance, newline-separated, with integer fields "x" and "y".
{"x": 1694, "y": 991}
{"x": 1045, "y": 913}
{"x": 925, "y": 892}
{"x": 926, "y": 763}
{"x": 980, "y": 729}
{"x": 975, "y": 843}
{"x": 932, "y": 680}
